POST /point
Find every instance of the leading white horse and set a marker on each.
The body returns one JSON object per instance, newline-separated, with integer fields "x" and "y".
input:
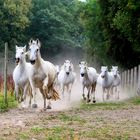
{"x": 20, "y": 74}
{"x": 88, "y": 77}
{"x": 116, "y": 81}
{"x": 105, "y": 79}
{"x": 66, "y": 77}
{"x": 42, "y": 74}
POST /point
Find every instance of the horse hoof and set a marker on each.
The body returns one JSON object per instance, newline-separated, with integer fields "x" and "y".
{"x": 44, "y": 109}
{"x": 84, "y": 98}
{"x": 49, "y": 107}
{"x": 34, "y": 105}
{"x": 94, "y": 101}
{"x": 88, "y": 100}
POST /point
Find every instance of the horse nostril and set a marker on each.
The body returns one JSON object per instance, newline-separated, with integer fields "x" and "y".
{"x": 67, "y": 73}
{"x": 82, "y": 74}
{"x": 17, "y": 60}
{"x": 103, "y": 76}
{"x": 32, "y": 62}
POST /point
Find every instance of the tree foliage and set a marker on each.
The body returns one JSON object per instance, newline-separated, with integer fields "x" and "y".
{"x": 14, "y": 19}
{"x": 114, "y": 31}
{"x": 55, "y": 22}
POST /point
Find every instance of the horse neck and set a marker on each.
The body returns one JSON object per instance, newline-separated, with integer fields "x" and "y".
{"x": 86, "y": 75}
{"x": 106, "y": 76}
{"x": 38, "y": 61}
{"x": 22, "y": 63}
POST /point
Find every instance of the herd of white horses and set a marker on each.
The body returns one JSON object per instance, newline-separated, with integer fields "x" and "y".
{"x": 32, "y": 74}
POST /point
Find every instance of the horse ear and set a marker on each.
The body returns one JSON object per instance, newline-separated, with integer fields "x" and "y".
{"x": 31, "y": 41}
{"x": 38, "y": 42}
{"x": 24, "y": 48}
{"x": 16, "y": 47}
{"x": 79, "y": 64}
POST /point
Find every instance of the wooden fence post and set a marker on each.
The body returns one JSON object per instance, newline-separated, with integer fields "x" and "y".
{"x": 5, "y": 74}
{"x": 128, "y": 78}
{"x": 132, "y": 79}
{"x": 139, "y": 75}
{"x": 125, "y": 80}
{"x": 135, "y": 79}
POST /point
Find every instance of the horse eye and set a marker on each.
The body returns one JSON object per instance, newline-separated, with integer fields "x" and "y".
{"x": 29, "y": 49}
{"x": 37, "y": 50}
{"x": 22, "y": 53}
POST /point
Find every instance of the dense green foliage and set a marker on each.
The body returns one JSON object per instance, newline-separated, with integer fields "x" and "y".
{"x": 112, "y": 29}
{"x": 14, "y": 20}
{"x": 108, "y": 28}
{"x": 55, "y": 22}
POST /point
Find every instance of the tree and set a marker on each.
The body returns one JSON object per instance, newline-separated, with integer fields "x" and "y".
{"x": 55, "y": 23}
{"x": 14, "y": 20}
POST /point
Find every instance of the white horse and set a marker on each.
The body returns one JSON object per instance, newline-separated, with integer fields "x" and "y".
{"x": 116, "y": 81}
{"x": 20, "y": 74}
{"x": 56, "y": 83}
{"x": 66, "y": 77}
{"x": 88, "y": 78}
{"x": 42, "y": 74}
{"x": 105, "y": 79}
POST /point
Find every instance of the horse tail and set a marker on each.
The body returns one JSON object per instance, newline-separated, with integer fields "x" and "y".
{"x": 54, "y": 94}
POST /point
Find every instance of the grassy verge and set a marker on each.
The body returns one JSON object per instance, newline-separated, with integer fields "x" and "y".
{"x": 111, "y": 105}
{"x": 11, "y": 103}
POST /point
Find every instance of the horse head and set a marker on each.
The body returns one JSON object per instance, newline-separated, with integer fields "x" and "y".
{"x": 104, "y": 71}
{"x": 67, "y": 66}
{"x": 83, "y": 68}
{"x": 34, "y": 50}
{"x": 20, "y": 54}
{"x": 57, "y": 69}
{"x": 115, "y": 71}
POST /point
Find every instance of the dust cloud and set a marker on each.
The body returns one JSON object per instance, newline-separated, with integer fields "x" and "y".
{"x": 75, "y": 55}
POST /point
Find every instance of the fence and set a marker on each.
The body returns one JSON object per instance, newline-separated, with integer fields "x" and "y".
{"x": 131, "y": 80}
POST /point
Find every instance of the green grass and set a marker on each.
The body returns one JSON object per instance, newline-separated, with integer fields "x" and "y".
{"x": 111, "y": 105}
{"x": 23, "y": 136}
{"x": 71, "y": 118}
{"x": 37, "y": 129}
{"x": 103, "y": 106}
{"x": 11, "y": 103}
{"x": 53, "y": 133}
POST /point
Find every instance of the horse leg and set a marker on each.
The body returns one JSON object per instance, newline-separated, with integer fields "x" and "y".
{"x": 34, "y": 105}
{"x": 93, "y": 91}
{"x": 17, "y": 92}
{"x": 43, "y": 92}
{"x": 62, "y": 90}
{"x": 83, "y": 93}
{"x": 107, "y": 97}
{"x": 103, "y": 94}
{"x": 118, "y": 93}
{"x": 24, "y": 95}
{"x": 88, "y": 95}
{"x": 31, "y": 96}
{"x": 69, "y": 87}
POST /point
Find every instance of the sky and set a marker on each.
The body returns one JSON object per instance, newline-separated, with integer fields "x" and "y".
{"x": 83, "y": 0}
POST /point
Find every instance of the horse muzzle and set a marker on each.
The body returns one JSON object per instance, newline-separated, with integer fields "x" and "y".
{"x": 82, "y": 74}
{"x": 17, "y": 60}
{"x": 67, "y": 73}
{"x": 103, "y": 76}
{"x": 32, "y": 62}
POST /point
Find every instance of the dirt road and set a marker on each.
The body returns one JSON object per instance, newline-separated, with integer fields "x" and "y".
{"x": 101, "y": 121}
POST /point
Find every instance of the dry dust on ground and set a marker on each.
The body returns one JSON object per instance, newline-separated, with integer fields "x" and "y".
{"x": 70, "y": 121}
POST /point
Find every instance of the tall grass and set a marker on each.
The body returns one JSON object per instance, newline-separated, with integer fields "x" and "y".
{"x": 10, "y": 93}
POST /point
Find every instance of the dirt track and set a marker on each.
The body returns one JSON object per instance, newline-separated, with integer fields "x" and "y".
{"x": 86, "y": 122}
